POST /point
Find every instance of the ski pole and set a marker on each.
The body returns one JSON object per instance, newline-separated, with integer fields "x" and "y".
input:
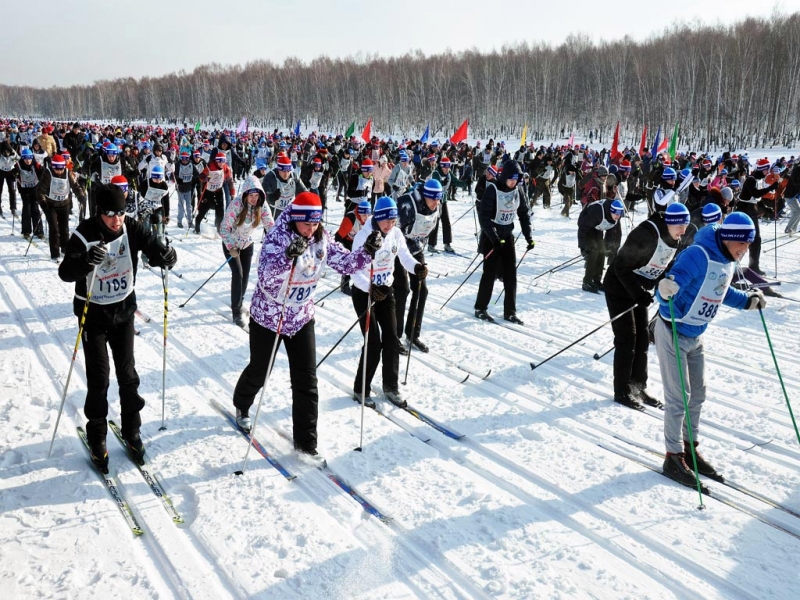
{"x": 488, "y": 254}
{"x": 270, "y": 364}
{"x": 503, "y": 291}
{"x": 205, "y": 282}
{"x": 580, "y": 339}
{"x": 471, "y": 263}
{"x": 35, "y": 229}
{"x": 475, "y": 218}
{"x": 74, "y": 354}
{"x": 335, "y": 288}
{"x": 413, "y": 328}
{"x": 165, "y": 284}
{"x": 558, "y": 267}
{"x": 344, "y": 335}
{"x": 685, "y": 400}
{"x": 598, "y": 356}
{"x": 780, "y": 377}
{"x": 360, "y": 447}
{"x": 462, "y": 216}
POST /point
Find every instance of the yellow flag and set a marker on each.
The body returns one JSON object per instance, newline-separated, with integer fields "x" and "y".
{"x": 524, "y": 135}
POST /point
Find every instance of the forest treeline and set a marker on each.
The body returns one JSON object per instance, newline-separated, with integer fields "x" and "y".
{"x": 734, "y": 86}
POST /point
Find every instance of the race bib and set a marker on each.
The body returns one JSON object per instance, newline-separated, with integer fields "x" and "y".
{"x": 113, "y": 281}
{"x": 215, "y": 180}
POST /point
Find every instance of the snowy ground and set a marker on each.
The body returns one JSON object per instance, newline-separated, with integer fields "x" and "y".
{"x": 540, "y": 499}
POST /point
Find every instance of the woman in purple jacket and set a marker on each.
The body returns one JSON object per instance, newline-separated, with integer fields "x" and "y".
{"x": 293, "y": 256}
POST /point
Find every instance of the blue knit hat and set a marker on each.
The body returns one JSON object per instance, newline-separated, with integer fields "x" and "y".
{"x": 676, "y": 214}
{"x": 432, "y": 190}
{"x": 385, "y": 209}
{"x": 617, "y": 208}
{"x": 711, "y": 213}
{"x": 738, "y": 227}
{"x": 364, "y": 208}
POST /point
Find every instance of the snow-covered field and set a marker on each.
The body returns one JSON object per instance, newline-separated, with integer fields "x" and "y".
{"x": 539, "y": 499}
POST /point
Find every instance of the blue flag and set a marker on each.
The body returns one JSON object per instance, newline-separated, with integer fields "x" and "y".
{"x": 297, "y": 128}
{"x": 425, "y": 135}
{"x": 657, "y": 141}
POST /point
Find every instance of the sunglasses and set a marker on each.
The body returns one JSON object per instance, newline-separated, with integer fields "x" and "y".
{"x": 114, "y": 213}
{"x": 123, "y": 186}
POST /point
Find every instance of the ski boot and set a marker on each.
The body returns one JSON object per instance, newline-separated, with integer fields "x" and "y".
{"x": 243, "y": 419}
{"x": 96, "y": 431}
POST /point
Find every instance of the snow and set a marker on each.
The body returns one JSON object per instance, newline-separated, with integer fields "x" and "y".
{"x": 538, "y": 500}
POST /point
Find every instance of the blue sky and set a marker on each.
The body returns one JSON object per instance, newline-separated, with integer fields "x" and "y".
{"x": 65, "y": 42}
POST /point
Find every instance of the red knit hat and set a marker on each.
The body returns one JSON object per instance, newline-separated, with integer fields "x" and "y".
{"x": 306, "y": 208}
{"x": 762, "y": 164}
{"x": 58, "y": 162}
{"x": 284, "y": 164}
{"x": 366, "y": 165}
{"x": 120, "y": 181}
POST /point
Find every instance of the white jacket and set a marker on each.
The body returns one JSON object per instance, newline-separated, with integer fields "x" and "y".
{"x": 394, "y": 244}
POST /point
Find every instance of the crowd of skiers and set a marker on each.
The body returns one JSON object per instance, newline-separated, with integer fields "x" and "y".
{"x": 703, "y": 217}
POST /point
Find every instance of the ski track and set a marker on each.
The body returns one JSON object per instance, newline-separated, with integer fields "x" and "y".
{"x": 621, "y": 534}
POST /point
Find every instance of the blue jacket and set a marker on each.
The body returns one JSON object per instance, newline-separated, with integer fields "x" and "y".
{"x": 689, "y": 272}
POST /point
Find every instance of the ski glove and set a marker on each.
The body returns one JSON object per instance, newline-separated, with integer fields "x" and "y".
{"x": 234, "y": 252}
{"x": 645, "y": 299}
{"x": 497, "y": 245}
{"x": 169, "y": 257}
{"x": 373, "y": 243}
{"x": 96, "y": 254}
{"x": 756, "y": 300}
{"x": 531, "y": 245}
{"x": 668, "y": 288}
{"x": 297, "y": 247}
{"x": 421, "y": 270}
{"x": 381, "y": 292}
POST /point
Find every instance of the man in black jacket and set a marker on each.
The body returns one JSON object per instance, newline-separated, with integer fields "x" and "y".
{"x": 103, "y": 252}
{"x": 752, "y": 190}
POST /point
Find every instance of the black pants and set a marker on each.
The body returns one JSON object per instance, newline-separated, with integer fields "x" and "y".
{"x": 412, "y": 325}
{"x": 58, "y": 224}
{"x": 215, "y": 200}
{"x": 8, "y": 177}
{"x": 382, "y": 341}
{"x": 31, "y": 215}
{"x": 751, "y": 210}
{"x": 595, "y": 258}
{"x": 240, "y": 272}
{"x": 504, "y": 262}
{"x": 301, "y": 349}
{"x": 447, "y": 232}
{"x": 542, "y": 189}
{"x": 120, "y": 339}
{"x": 630, "y": 344}
{"x": 165, "y": 205}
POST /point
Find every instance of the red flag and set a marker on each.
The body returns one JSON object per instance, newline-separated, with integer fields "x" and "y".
{"x": 365, "y": 135}
{"x": 662, "y": 147}
{"x": 643, "y": 145}
{"x": 615, "y": 153}
{"x": 461, "y": 133}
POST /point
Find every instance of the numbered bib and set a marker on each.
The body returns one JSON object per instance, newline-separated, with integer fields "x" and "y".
{"x": 709, "y": 297}
{"x": 287, "y": 192}
{"x": 507, "y": 205}
{"x": 154, "y": 194}
{"x": 383, "y": 266}
{"x": 28, "y": 178}
{"x": 306, "y": 276}
{"x": 59, "y": 188}
{"x": 423, "y": 225}
{"x": 186, "y": 173}
{"x": 215, "y": 180}
{"x": 659, "y": 261}
{"x": 114, "y": 279}
{"x": 107, "y": 171}
{"x": 569, "y": 180}
{"x": 316, "y": 177}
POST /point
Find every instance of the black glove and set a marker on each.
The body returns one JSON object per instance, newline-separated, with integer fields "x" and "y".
{"x": 381, "y": 292}
{"x": 644, "y": 299}
{"x": 421, "y": 270}
{"x": 531, "y": 245}
{"x": 297, "y": 247}
{"x": 498, "y": 245}
{"x": 373, "y": 243}
{"x": 96, "y": 254}
{"x": 169, "y": 257}
{"x": 584, "y": 253}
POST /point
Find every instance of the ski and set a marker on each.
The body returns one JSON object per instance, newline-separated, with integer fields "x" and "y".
{"x": 150, "y": 478}
{"x": 113, "y": 489}
{"x": 732, "y": 485}
{"x": 143, "y": 316}
{"x": 456, "y": 365}
{"x": 256, "y": 444}
{"x": 451, "y": 433}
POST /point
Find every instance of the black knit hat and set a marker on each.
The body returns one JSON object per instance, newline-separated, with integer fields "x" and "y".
{"x": 109, "y": 198}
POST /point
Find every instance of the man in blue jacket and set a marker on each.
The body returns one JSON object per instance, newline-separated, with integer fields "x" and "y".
{"x": 698, "y": 283}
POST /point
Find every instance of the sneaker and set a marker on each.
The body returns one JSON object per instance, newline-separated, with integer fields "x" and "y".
{"x": 401, "y": 348}
{"x": 419, "y": 345}
{"x": 133, "y": 439}
{"x": 483, "y": 315}
{"x": 675, "y": 468}
{"x": 590, "y": 287}
{"x": 432, "y": 249}
{"x": 243, "y": 419}
{"x": 646, "y": 398}
{"x": 703, "y": 466}
{"x": 396, "y": 398}
{"x": 512, "y": 318}
{"x": 368, "y": 402}
{"x": 629, "y": 401}
{"x": 449, "y": 248}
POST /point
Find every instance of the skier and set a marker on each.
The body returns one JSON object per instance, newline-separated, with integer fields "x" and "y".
{"x": 154, "y": 195}
{"x": 53, "y": 195}
{"x": 28, "y": 178}
{"x": 382, "y": 339}
{"x": 359, "y": 185}
{"x": 697, "y": 284}
{"x": 281, "y": 185}
{"x": 351, "y": 224}
{"x": 632, "y": 275}
{"x": 104, "y": 250}
{"x": 753, "y": 189}
{"x": 8, "y": 174}
{"x": 293, "y": 255}
{"x": 499, "y": 204}
{"x": 418, "y": 214}
{"x": 598, "y": 236}
{"x": 443, "y": 175}
{"x": 402, "y": 176}
{"x": 215, "y": 175}
{"x": 245, "y": 214}
{"x": 186, "y": 178}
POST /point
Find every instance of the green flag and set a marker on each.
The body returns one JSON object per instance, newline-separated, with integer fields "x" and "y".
{"x": 673, "y": 143}
{"x": 350, "y": 130}
{"x": 197, "y": 126}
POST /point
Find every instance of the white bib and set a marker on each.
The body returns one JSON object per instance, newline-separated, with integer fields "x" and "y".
{"x": 114, "y": 279}
{"x": 383, "y": 264}
{"x": 107, "y": 171}
{"x": 316, "y": 177}
{"x": 59, "y": 188}
{"x": 287, "y": 192}
{"x": 604, "y": 225}
{"x": 28, "y": 178}
{"x": 659, "y": 261}
{"x": 507, "y": 205}
{"x": 215, "y": 180}
{"x": 154, "y": 194}
{"x": 569, "y": 180}
{"x": 709, "y": 297}
{"x": 186, "y": 172}
{"x": 306, "y": 276}
{"x": 423, "y": 225}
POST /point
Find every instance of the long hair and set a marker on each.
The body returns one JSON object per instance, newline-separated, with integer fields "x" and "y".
{"x": 240, "y": 218}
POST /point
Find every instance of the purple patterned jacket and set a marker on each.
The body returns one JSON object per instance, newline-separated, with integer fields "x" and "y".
{"x": 273, "y": 276}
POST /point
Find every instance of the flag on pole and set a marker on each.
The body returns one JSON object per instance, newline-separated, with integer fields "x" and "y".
{"x": 524, "y": 135}
{"x": 656, "y": 142}
{"x": 615, "y": 153}
{"x": 662, "y": 147}
{"x": 197, "y": 126}
{"x": 461, "y": 133}
{"x": 643, "y": 144}
{"x": 425, "y": 135}
{"x": 242, "y": 125}
{"x": 350, "y": 130}
{"x": 297, "y": 128}
{"x": 365, "y": 135}
{"x": 673, "y": 144}
{"x": 571, "y": 139}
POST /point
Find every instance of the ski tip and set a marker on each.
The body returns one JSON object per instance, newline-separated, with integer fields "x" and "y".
{"x": 487, "y": 375}
{"x": 137, "y": 531}
{"x": 465, "y": 379}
